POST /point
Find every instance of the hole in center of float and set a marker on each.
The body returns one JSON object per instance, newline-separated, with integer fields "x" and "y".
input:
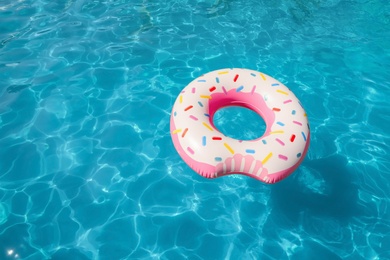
{"x": 239, "y": 123}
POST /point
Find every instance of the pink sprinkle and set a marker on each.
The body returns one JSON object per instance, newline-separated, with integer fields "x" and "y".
{"x": 279, "y": 141}
{"x": 192, "y": 117}
{"x": 287, "y": 101}
{"x": 193, "y": 90}
{"x": 283, "y": 157}
{"x": 298, "y": 123}
{"x": 224, "y": 90}
{"x": 192, "y": 151}
{"x": 253, "y": 89}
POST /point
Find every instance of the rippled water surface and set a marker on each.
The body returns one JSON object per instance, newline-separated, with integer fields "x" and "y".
{"x": 87, "y": 166}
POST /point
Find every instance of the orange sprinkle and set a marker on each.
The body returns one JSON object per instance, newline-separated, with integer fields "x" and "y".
{"x": 184, "y": 133}
{"x": 188, "y": 108}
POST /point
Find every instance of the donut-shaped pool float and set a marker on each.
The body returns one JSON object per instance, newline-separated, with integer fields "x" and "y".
{"x": 270, "y": 158}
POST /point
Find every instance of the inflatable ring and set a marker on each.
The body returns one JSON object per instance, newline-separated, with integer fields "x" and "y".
{"x": 270, "y": 158}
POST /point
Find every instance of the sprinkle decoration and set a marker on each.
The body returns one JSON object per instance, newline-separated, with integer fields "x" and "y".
{"x": 304, "y": 136}
{"x": 224, "y": 90}
{"x": 266, "y": 158}
{"x": 235, "y": 78}
{"x": 282, "y": 92}
{"x": 184, "y": 132}
{"x": 190, "y": 150}
{"x": 193, "y": 117}
{"x": 207, "y": 126}
{"x": 188, "y": 108}
{"x": 279, "y": 141}
{"x": 277, "y": 132}
{"x": 176, "y": 131}
{"x": 283, "y": 157}
{"x": 253, "y": 89}
{"x": 229, "y": 148}
{"x": 204, "y": 140}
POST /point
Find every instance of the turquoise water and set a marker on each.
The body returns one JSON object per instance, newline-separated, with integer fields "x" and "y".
{"x": 87, "y": 166}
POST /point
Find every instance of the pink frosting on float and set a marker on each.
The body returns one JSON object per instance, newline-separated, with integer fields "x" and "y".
{"x": 253, "y": 101}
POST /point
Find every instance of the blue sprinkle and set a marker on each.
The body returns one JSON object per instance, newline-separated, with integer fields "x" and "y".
{"x": 200, "y": 103}
{"x": 299, "y": 155}
{"x": 250, "y": 151}
{"x": 275, "y": 84}
{"x": 204, "y": 140}
{"x": 202, "y": 80}
{"x": 218, "y": 159}
{"x": 293, "y": 112}
{"x": 264, "y": 141}
{"x": 217, "y": 79}
{"x": 304, "y": 136}
{"x": 174, "y": 113}
{"x": 253, "y": 74}
{"x": 280, "y": 123}
{"x": 239, "y": 88}
{"x": 207, "y": 115}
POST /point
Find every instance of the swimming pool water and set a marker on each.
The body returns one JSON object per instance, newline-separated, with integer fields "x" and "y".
{"x": 87, "y": 166}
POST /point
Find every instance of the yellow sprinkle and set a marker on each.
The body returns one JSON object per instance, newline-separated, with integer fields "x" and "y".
{"x": 181, "y": 99}
{"x": 262, "y": 75}
{"x": 282, "y": 92}
{"x": 277, "y": 132}
{"x": 223, "y": 72}
{"x": 204, "y": 96}
{"x": 206, "y": 125}
{"x": 176, "y": 131}
{"x": 229, "y": 148}
{"x": 305, "y": 115}
{"x": 266, "y": 158}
